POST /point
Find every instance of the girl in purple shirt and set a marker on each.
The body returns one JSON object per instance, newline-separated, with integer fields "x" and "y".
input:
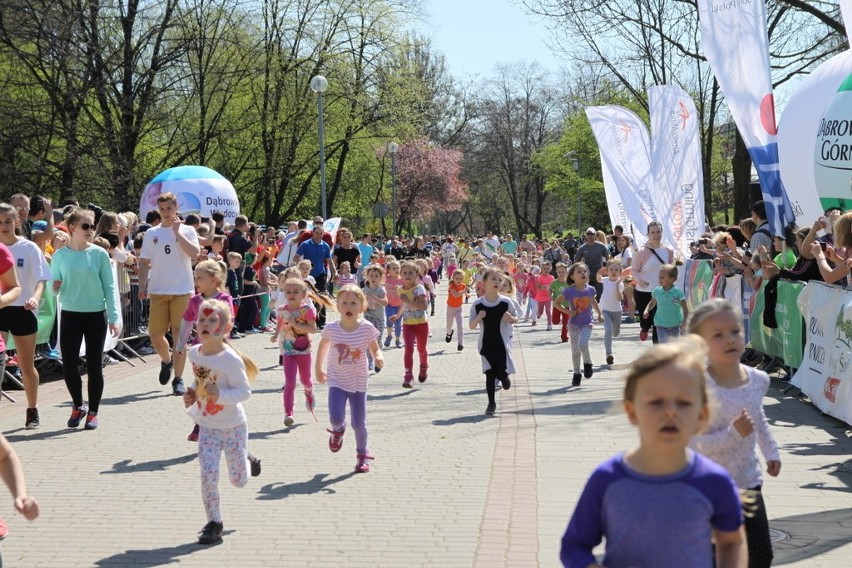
{"x": 577, "y": 301}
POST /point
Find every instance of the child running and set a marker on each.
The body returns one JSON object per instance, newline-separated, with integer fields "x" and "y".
{"x": 214, "y": 399}
{"x": 556, "y": 288}
{"x": 738, "y": 425}
{"x": 209, "y": 277}
{"x": 377, "y": 301}
{"x": 542, "y": 284}
{"x": 670, "y": 301}
{"x": 529, "y": 293}
{"x": 496, "y": 313}
{"x": 660, "y": 504}
{"x": 611, "y": 298}
{"x": 350, "y": 339}
{"x": 297, "y": 321}
{"x": 415, "y": 326}
{"x": 344, "y": 275}
{"x": 456, "y": 292}
{"x": 423, "y": 269}
{"x": 577, "y": 301}
{"x": 392, "y": 284}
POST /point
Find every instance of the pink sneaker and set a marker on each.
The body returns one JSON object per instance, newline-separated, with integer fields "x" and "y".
{"x": 335, "y": 441}
{"x": 363, "y": 463}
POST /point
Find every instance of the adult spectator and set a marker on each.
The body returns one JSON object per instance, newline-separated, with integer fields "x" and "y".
{"x": 165, "y": 277}
{"x": 18, "y": 318}
{"x": 152, "y": 218}
{"x": 762, "y": 236}
{"x": 490, "y": 245}
{"x": 41, "y": 209}
{"x": 290, "y": 243}
{"x": 395, "y": 249}
{"x": 318, "y": 252}
{"x": 594, "y": 254}
{"x": 553, "y": 254}
{"x": 806, "y": 268}
{"x": 526, "y": 245}
{"x": 346, "y": 251}
{"x": 646, "y": 272}
{"x": 840, "y": 255}
{"x": 83, "y": 277}
{"x": 326, "y": 236}
{"x": 418, "y": 248}
{"x": 238, "y": 240}
{"x": 465, "y": 252}
{"x": 367, "y": 249}
{"x": 509, "y": 245}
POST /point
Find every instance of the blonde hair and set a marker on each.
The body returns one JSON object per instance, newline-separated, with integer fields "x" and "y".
{"x": 235, "y": 256}
{"x": 298, "y": 283}
{"x": 353, "y": 289}
{"x": 225, "y": 312}
{"x": 843, "y": 231}
{"x": 720, "y": 239}
{"x": 422, "y": 266}
{"x": 391, "y": 262}
{"x": 409, "y": 264}
{"x": 708, "y": 309}
{"x": 214, "y": 269}
{"x": 669, "y": 269}
{"x": 375, "y": 268}
{"x": 510, "y": 284}
{"x": 689, "y": 352}
{"x": 305, "y": 262}
{"x": 290, "y": 273}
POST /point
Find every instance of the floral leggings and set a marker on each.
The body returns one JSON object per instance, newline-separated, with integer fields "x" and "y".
{"x": 211, "y": 443}
{"x": 580, "y": 337}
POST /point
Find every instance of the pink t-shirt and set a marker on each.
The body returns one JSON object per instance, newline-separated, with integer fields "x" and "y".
{"x": 542, "y": 287}
{"x": 7, "y": 263}
{"x": 191, "y": 312}
{"x": 347, "y": 356}
{"x": 392, "y": 288}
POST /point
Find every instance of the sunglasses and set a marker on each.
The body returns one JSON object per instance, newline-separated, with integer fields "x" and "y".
{"x": 86, "y": 226}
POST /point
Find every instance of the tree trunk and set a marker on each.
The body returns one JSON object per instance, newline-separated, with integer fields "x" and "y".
{"x": 741, "y": 166}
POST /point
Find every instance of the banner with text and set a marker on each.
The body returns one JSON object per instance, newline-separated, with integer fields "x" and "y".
{"x": 676, "y": 163}
{"x": 826, "y": 372}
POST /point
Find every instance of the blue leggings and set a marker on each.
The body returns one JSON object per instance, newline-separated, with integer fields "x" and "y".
{"x": 395, "y": 325}
{"x": 337, "y": 399}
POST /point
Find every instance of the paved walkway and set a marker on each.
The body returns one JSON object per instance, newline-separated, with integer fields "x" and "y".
{"x": 449, "y": 486}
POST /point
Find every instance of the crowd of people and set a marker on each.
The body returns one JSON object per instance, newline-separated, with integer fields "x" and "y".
{"x": 195, "y": 285}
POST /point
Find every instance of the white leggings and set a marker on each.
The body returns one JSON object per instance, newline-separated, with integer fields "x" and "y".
{"x": 454, "y": 315}
{"x": 211, "y": 443}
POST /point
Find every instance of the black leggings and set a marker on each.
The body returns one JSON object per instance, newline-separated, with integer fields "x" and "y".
{"x": 757, "y": 534}
{"x": 491, "y": 376}
{"x": 73, "y": 327}
{"x": 642, "y": 301}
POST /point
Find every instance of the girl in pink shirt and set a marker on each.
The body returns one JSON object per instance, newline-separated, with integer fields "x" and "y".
{"x": 345, "y": 344}
{"x": 542, "y": 294}
{"x": 392, "y": 284}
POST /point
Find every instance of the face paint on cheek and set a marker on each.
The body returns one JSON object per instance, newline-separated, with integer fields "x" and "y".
{"x": 219, "y": 330}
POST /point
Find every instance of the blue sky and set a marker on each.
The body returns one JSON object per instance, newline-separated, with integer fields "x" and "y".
{"x": 474, "y": 35}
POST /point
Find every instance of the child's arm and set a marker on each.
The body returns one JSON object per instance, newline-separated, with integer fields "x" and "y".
{"x": 279, "y": 326}
{"x": 685, "y": 314}
{"x": 651, "y": 305}
{"x": 475, "y": 318}
{"x": 322, "y": 352}
{"x": 183, "y": 335}
{"x": 376, "y": 352}
{"x": 731, "y": 549}
{"x": 619, "y": 291}
{"x": 597, "y": 309}
{"x": 13, "y": 476}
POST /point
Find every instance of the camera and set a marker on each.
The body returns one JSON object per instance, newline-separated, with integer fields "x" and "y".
{"x": 97, "y": 210}
{"x": 703, "y": 242}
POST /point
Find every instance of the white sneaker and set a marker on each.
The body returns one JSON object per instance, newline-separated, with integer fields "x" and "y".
{"x": 289, "y": 420}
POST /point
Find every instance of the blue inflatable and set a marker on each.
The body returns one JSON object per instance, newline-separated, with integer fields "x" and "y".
{"x": 198, "y": 189}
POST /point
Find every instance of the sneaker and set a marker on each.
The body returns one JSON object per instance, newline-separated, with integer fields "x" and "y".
{"x": 289, "y": 420}
{"x": 52, "y": 354}
{"x": 4, "y": 529}
{"x": 77, "y": 414}
{"x": 388, "y": 341}
{"x": 193, "y": 436}
{"x": 310, "y": 401}
{"x": 565, "y": 340}
{"x": 533, "y": 322}
{"x": 32, "y": 422}
{"x": 422, "y": 375}
{"x": 398, "y": 343}
{"x": 177, "y": 387}
{"x": 643, "y": 335}
{"x": 460, "y": 347}
{"x": 254, "y": 464}
{"x": 587, "y": 370}
{"x": 145, "y": 350}
{"x": 165, "y": 372}
{"x": 610, "y": 359}
{"x": 335, "y": 441}
{"x": 235, "y": 335}
{"x": 211, "y": 533}
{"x": 491, "y": 408}
{"x": 575, "y": 382}
{"x": 406, "y": 382}
{"x": 504, "y": 380}
{"x": 363, "y": 463}
{"x": 91, "y": 421}
{"x": 549, "y": 327}
{"x": 449, "y": 336}
{"x": 629, "y": 319}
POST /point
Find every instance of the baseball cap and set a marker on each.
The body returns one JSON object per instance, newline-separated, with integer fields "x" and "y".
{"x": 591, "y": 231}
{"x": 39, "y": 227}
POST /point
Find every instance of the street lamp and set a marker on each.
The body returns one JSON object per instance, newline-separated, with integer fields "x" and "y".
{"x": 575, "y": 163}
{"x": 393, "y": 148}
{"x": 319, "y": 84}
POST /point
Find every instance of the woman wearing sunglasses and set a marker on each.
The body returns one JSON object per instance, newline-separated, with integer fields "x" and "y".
{"x": 83, "y": 277}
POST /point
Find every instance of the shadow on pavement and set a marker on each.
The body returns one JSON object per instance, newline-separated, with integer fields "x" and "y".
{"x": 153, "y": 557}
{"x": 35, "y": 435}
{"x": 560, "y": 390}
{"x": 124, "y": 466}
{"x": 399, "y": 394}
{"x": 136, "y": 397}
{"x": 581, "y": 408}
{"x": 319, "y": 483}
{"x": 471, "y": 393}
{"x": 810, "y": 535}
{"x": 464, "y": 420}
{"x": 269, "y": 434}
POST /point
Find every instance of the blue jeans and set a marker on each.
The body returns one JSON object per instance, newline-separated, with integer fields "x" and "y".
{"x": 612, "y": 328}
{"x": 667, "y": 334}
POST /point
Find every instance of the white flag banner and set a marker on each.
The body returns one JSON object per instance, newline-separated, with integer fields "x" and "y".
{"x": 735, "y": 41}
{"x": 676, "y": 163}
{"x": 615, "y": 206}
{"x": 826, "y": 374}
{"x": 625, "y": 149}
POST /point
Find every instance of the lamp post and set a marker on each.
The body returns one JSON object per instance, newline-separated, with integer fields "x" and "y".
{"x": 319, "y": 84}
{"x": 575, "y": 163}
{"x": 393, "y": 147}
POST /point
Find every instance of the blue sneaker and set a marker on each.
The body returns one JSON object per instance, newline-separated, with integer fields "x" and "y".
{"x": 77, "y": 414}
{"x": 52, "y": 354}
{"x": 387, "y": 341}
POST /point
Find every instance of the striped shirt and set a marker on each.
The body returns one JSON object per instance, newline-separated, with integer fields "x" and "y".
{"x": 347, "y": 358}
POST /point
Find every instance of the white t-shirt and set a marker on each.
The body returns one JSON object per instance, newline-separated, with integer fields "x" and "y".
{"x": 31, "y": 268}
{"x": 171, "y": 267}
{"x": 288, "y": 249}
{"x": 609, "y": 299}
{"x": 228, "y": 372}
{"x": 347, "y": 358}
{"x": 491, "y": 245}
